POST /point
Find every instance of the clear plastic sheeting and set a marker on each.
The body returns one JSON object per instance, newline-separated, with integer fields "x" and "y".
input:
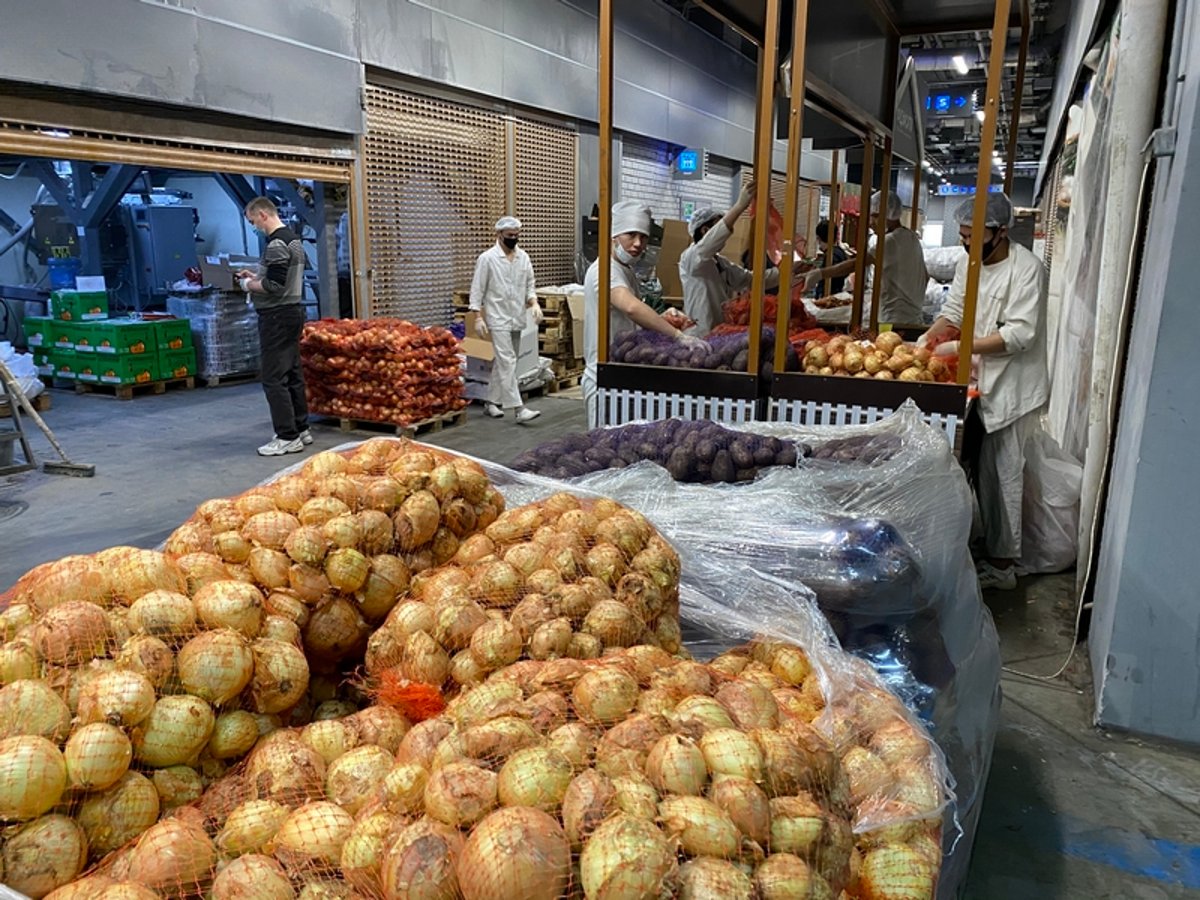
{"x": 224, "y": 330}
{"x": 876, "y": 524}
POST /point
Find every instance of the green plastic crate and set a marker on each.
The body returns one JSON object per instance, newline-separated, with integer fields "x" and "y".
{"x": 172, "y": 334}
{"x": 65, "y": 363}
{"x": 125, "y": 368}
{"x": 78, "y": 306}
{"x": 115, "y": 337}
{"x": 177, "y": 363}
{"x": 39, "y": 331}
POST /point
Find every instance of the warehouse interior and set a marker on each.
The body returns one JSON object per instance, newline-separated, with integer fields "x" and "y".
{"x": 393, "y": 137}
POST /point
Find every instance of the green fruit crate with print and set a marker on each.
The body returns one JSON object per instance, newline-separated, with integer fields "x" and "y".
{"x": 177, "y": 363}
{"x": 114, "y": 337}
{"x": 119, "y": 370}
{"x": 39, "y": 331}
{"x": 78, "y": 306}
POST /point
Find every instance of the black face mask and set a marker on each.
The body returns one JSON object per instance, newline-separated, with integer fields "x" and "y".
{"x": 989, "y": 247}
{"x": 508, "y": 242}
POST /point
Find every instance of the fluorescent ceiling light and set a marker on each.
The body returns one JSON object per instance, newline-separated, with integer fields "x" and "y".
{"x": 960, "y": 63}
{"x": 980, "y": 115}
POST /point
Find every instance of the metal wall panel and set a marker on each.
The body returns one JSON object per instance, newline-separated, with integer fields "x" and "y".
{"x": 545, "y": 162}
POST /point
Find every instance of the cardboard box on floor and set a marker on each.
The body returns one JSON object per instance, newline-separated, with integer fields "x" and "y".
{"x": 218, "y": 271}
{"x": 480, "y": 352}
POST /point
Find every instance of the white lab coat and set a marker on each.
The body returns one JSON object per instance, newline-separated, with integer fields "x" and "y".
{"x": 501, "y": 288}
{"x": 621, "y": 275}
{"x": 902, "y": 294}
{"x": 709, "y": 279}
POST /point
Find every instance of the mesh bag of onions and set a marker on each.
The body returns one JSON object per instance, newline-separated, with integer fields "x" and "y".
{"x": 764, "y": 774}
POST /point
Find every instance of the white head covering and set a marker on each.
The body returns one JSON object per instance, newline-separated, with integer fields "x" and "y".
{"x": 630, "y": 215}
{"x": 508, "y": 223}
{"x": 999, "y": 211}
{"x": 702, "y": 217}
{"x": 895, "y": 209}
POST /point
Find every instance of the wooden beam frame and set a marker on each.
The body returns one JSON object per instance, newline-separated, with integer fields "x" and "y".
{"x": 885, "y": 188}
{"x": 764, "y": 140}
{"x": 604, "y": 241}
{"x": 860, "y": 243}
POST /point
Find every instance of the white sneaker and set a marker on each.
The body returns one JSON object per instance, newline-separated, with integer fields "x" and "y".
{"x": 278, "y": 447}
{"x": 992, "y": 578}
{"x": 525, "y": 414}
{"x": 491, "y": 409}
{"x": 306, "y": 437}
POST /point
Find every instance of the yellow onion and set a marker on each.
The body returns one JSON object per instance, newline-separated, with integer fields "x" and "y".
{"x": 626, "y": 857}
{"x": 319, "y": 510}
{"x": 702, "y": 828}
{"x": 284, "y": 769}
{"x": 547, "y": 711}
{"x": 465, "y": 670}
{"x": 232, "y": 547}
{"x": 148, "y": 657}
{"x": 388, "y": 579}
{"x": 313, "y": 833}
{"x": 746, "y": 805}
{"x": 703, "y": 878}
{"x": 216, "y": 665}
{"x": 656, "y": 701}
{"x": 277, "y": 628}
{"x": 176, "y": 730}
{"x": 729, "y": 663}
{"x": 14, "y": 619}
{"x": 252, "y": 877}
{"x": 343, "y": 531}
{"x": 363, "y": 850}
{"x": 495, "y": 583}
{"x": 32, "y": 707}
{"x": 292, "y": 492}
{"x": 174, "y": 855}
{"x": 352, "y": 779}
{"x": 188, "y": 539}
{"x": 234, "y": 734}
{"x": 424, "y": 660}
{"x": 33, "y": 776}
{"x": 120, "y": 697}
{"x": 496, "y": 643}
{"x": 473, "y": 549}
{"x": 576, "y": 741}
{"x": 676, "y": 766}
{"x": 97, "y": 755}
{"x": 249, "y": 826}
{"x": 868, "y": 775}
{"x": 44, "y": 854}
{"x": 783, "y": 876}
{"x": 67, "y": 580}
{"x": 494, "y": 699}
{"x": 419, "y": 863}
{"x": 916, "y": 786}
{"x": 270, "y": 529}
{"x": 307, "y": 545}
{"x": 334, "y": 631}
{"x": 750, "y": 705}
{"x": 896, "y": 872}
{"x": 589, "y": 799}
{"x": 536, "y": 777}
{"x": 683, "y": 679}
{"x": 457, "y": 621}
{"x": 791, "y": 664}
{"x": 403, "y": 788}
{"x": 499, "y": 738}
{"x": 382, "y": 494}
{"x": 515, "y": 854}
{"x": 460, "y": 794}
{"x": 248, "y": 504}
{"x": 287, "y": 605}
{"x": 797, "y": 824}
{"x": 18, "y": 662}
{"x": 330, "y": 738}
{"x": 280, "y": 676}
{"x": 636, "y": 797}
{"x": 342, "y": 486}
{"x": 613, "y": 623}
{"x": 72, "y": 633}
{"x": 898, "y": 741}
{"x": 270, "y": 568}
{"x": 230, "y": 604}
{"x": 381, "y": 726}
{"x": 132, "y": 572}
{"x": 177, "y": 786}
{"x": 419, "y": 745}
{"x": 166, "y": 614}
{"x": 604, "y": 696}
{"x": 730, "y": 752}
{"x": 113, "y": 817}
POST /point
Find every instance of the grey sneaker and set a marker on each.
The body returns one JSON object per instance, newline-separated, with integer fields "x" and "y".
{"x": 279, "y": 447}
{"x": 306, "y": 437}
{"x": 491, "y": 409}
{"x": 993, "y": 578}
{"x": 525, "y": 414}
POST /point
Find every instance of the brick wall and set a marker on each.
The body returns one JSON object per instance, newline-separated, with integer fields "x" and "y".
{"x": 646, "y": 176}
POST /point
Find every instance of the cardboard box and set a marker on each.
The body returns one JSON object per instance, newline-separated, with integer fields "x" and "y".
{"x": 675, "y": 240}
{"x": 480, "y": 352}
{"x": 576, "y": 305}
{"x": 177, "y": 363}
{"x": 172, "y": 334}
{"x": 218, "y": 271}
{"x": 39, "y": 331}
{"x": 64, "y": 363}
{"x": 115, "y": 337}
{"x": 126, "y": 369}
{"x": 77, "y": 306}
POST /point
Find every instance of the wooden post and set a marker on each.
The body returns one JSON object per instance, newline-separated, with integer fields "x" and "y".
{"x": 764, "y": 140}
{"x": 987, "y": 142}
{"x": 792, "y": 177}
{"x": 1018, "y": 94}
{"x": 885, "y": 188}
{"x": 834, "y": 218}
{"x": 860, "y": 243}
{"x": 604, "y": 241}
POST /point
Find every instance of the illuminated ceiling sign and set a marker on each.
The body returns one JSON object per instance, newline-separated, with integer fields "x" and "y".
{"x": 965, "y": 190}
{"x": 691, "y": 164}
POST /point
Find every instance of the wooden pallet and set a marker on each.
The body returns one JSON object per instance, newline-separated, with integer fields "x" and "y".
{"x": 41, "y": 403}
{"x": 424, "y": 426}
{"x": 129, "y": 391}
{"x": 231, "y": 378}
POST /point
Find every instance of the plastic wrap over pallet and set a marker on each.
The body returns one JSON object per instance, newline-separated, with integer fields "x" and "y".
{"x": 875, "y": 522}
{"x": 224, "y": 330}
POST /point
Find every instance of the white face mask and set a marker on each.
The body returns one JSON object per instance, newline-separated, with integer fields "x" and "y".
{"x": 623, "y": 255}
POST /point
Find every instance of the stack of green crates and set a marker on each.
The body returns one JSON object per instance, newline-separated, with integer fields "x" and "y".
{"x": 78, "y": 306}
{"x": 111, "y": 351}
{"x": 176, "y": 353}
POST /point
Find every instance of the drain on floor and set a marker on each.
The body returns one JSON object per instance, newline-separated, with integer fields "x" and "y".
{"x": 10, "y": 509}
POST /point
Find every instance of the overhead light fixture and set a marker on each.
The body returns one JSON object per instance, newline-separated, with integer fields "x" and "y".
{"x": 980, "y": 114}
{"x": 960, "y": 64}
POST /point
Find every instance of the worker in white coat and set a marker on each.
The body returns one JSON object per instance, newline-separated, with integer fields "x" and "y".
{"x": 626, "y": 311}
{"x": 1010, "y": 362}
{"x": 902, "y": 294}
{"x": 502, "y": 292}
{"x": 709, "y": 279}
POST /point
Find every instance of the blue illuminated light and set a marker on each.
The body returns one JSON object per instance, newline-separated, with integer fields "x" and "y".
{"x": 689, "y": 161}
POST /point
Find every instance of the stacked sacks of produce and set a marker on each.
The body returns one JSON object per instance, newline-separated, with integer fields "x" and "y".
{"x": 721, "y": 353}
{"x": 737, "y": 311}
{"x": 700, "y": 451}
{"x": 380, "y": 370}
{"x": 560, "y": 577}
{"x": 887, "y": 358}
{"x": 765, "y": 774}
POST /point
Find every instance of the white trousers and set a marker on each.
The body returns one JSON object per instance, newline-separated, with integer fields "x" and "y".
{"x": 590, "y": 400}
{"x": 502, "y": 386}
{"x": 1001, "y": 482}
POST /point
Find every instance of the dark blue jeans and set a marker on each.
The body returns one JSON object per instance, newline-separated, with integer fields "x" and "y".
{"x": 279, "y": 331}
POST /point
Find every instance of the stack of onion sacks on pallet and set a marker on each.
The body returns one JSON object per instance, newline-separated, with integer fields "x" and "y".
{"x": 563, "y": 577}
{"x": 635, "y": 775}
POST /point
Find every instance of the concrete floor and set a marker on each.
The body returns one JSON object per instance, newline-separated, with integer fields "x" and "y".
{"x": 1071, "y": 811}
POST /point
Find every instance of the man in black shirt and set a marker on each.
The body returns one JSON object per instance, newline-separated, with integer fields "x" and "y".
{"x": 278, "y": 295}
